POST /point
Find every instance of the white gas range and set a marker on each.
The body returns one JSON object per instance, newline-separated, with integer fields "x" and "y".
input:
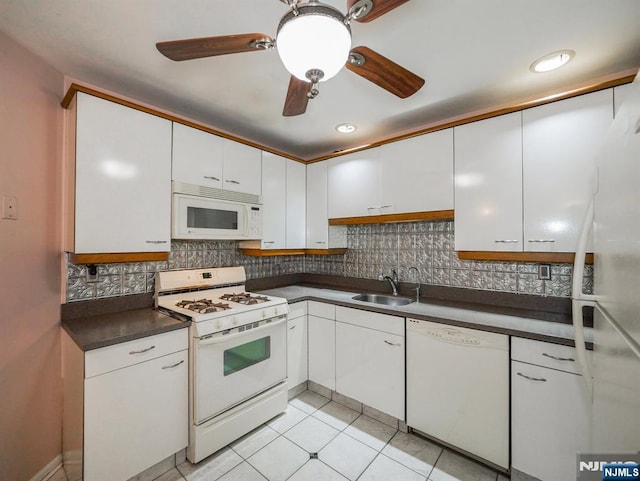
{"x": 237, "y": 353}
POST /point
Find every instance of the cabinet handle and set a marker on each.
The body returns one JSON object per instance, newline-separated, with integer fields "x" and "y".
{"x": 541, "y": 240}
{"x": 142, "y": 350}
{"x": 385, "y": 206}
{"x": 374, "y": 207}
{"x": 570, "y": 359}
{"x": 506, "y": 241}
{"x": 541, "y": 379}
{"x": 392, "y": 343}
{"x": 268, "y": 242}
{"x": 232, "y": 181}
{"x": 173, "y": 365}
{"x": 292, "y": 327}
{"x": 156, "y": 242}
{"x": 211, "y": 178}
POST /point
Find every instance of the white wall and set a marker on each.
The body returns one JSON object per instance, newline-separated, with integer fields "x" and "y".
{"x": 30, "y": 256}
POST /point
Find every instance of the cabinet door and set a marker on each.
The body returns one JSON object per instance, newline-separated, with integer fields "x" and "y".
{"x": 354, "y": 185}
{"x": 297, "y": 351}
{"x": 123, "y": 179}
{"x": 296, "y": 205}
{"x": 274, "y": 201}
{"x": 559, "y": 142}
{"x": 322, "y": 351}
{"x": 135, "y": 417}
{"x": 549, "y": 421}
{"x": 197, "y": 157}
{"x": 417, "y": 173}
{"x": 241, "y": 168}
{"x": 317, "y": 220}
{"x": 370, "y": 367}
{"x": 488, "y": 184}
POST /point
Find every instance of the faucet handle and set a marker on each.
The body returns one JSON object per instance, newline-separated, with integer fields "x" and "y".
{"x": 394, "y": 275}
{"x": 381, "y": 276}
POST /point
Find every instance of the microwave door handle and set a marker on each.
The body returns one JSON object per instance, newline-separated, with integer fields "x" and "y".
{"x": 228, "y": 337}
{"x": 247, "y": 212}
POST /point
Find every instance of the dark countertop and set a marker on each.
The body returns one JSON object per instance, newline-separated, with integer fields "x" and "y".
{"x": 101, "y": 330}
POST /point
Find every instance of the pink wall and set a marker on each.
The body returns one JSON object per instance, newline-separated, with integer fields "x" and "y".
{"x": 30, "y": 259}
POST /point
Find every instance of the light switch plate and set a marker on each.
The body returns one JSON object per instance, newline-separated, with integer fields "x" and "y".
{"x": 544, "y": 271}
{"x": 9, "y": 207}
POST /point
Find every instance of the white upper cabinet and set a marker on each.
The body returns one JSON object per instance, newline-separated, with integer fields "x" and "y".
{"x": 620, "y": 94}
{"x": 488, "y": 184}
{"x": 241, "y": 167}
{"x": 274, "y": 198}
{"x": 319, "y": 234}
{"x": 417, "y": 173}
{"x": 197, "y": 157}
{"x": 412, "y": 175}
{"x": 201, "y": 158}
{"x": 559, "y": 142}
{"x": 296, "y": 208}
{"x": 122, "y": 178}
{"x": 354, "y": 185}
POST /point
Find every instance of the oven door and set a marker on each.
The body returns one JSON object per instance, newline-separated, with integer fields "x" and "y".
{"x": 234, "y": 366}
{"x": 204, "y": 218}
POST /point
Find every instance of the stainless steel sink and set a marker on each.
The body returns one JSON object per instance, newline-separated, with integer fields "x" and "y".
{"x": 382, "y": 299}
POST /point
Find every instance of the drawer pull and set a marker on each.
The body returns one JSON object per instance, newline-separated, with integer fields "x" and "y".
{"x": 541, "y": 240}
{"x": 142, "y": 350}
{"x": 232, "y": 182}
{"x": 541, "y": 379}
{"x": 156, "y": 242}
{"x": 173, "y": 365}
{"x": 211, "y": 177}
{"x": 506, "y": 241}
{"x": 392, "y": 343}
{"x": 570, "y": 359}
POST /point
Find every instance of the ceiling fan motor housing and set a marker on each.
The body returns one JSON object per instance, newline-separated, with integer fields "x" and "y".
{"x": 313, "y": 36}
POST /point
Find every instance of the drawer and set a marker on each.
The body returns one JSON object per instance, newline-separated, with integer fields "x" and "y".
{"x": 321, "y": 309}
{"x": 297, "y": 309}
{"x": 545, "y": 354}
{"x": 371, "y": 320}
{"x": 128, "y": 353}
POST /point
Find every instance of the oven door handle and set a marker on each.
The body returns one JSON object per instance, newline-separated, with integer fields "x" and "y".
{"x": 228, "y": 337}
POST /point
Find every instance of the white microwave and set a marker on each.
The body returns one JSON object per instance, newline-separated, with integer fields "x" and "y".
{"x": 196, "y": 217}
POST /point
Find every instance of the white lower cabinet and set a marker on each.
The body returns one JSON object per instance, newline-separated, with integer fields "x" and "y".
{"x": 297, "y": 351}
{"x": 549, "y": 411}
{"x": 322, "y": 344}
{"x": 370, "y": 359}
{"x": 126, "y": 406}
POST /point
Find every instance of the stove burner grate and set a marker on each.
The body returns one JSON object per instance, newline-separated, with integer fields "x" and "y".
{"x": 203, "y": 306}
{"x": 244, "y": 298}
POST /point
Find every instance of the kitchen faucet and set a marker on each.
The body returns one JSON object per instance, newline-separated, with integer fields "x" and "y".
{"x": 417, "y": 288}
{"x": 392, "y": 280}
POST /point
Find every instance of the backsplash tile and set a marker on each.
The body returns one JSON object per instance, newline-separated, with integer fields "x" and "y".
{"x": 372, "y": 249}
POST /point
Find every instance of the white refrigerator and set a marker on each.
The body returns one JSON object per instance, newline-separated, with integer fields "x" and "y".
{"x": 615, "y": 371}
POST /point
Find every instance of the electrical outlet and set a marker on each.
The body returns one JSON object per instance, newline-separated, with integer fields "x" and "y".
{"x": 9, "y": 207}
{"x": 544, "y": 271}
{"x": 92, "y": 273}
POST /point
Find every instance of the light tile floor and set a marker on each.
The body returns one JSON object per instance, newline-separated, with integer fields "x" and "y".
{"x": 346, "y": 445}
{"x": 349, "y": 446}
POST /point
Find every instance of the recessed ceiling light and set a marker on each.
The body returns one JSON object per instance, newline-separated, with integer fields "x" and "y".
{"x": 346, "y": 128}
{"x": 552, "y": 61}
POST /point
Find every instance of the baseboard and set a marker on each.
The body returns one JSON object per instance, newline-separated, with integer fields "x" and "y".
{"x": 49, "y": 470}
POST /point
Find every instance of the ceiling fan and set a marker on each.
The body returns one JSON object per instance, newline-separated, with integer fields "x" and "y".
{"x": 313, "y": 40}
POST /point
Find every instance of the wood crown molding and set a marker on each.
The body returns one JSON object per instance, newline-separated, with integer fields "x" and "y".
{"x": 408, "y": 217}
{"x": 73, "y": 88}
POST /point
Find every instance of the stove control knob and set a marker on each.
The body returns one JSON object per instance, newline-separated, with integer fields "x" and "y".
{"x": 234, "y": 321}
{"x": 217, "y": 324}
{"x": 264, "y": 314}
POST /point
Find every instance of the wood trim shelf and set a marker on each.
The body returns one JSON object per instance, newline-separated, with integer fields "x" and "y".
{"x": 563, "y": 257}
{"x": 292, "y": 252}
{"x": 117, "y": 257}
{"x": 407, "y": 217}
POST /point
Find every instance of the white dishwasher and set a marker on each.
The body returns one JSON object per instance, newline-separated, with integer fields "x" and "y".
{"x": 458, "y": 388}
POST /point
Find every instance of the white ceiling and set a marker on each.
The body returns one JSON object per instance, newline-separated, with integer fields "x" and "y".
{"x": 473, "y": 54}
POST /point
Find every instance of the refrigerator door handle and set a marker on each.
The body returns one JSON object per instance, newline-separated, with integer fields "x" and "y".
{"x": 579, "y": 300}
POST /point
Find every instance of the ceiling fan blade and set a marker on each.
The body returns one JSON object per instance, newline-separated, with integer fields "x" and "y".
{"x": 383, "y": 72}
{"x": 296, "y": 101}
{"x": 378, "y": 8}
{"x": 211, "y": 46}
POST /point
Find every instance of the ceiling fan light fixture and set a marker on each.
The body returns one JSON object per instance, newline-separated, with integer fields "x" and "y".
{"x": 552, "y": 61}
{"x": 313, "y": 36}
